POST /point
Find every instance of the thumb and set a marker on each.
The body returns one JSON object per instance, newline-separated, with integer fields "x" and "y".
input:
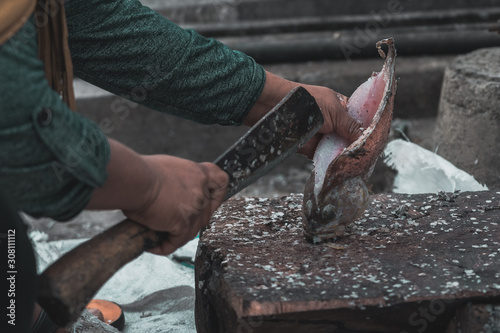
{"x": 347, "y": 126}
{"x": 218, "y": 181}
{"x": 354, "y": 130}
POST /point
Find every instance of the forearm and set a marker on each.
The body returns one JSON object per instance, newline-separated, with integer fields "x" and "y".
{"x": 331, "y": 103}
{"x": 129, "y": 184}
{"x": 275, "y": 89}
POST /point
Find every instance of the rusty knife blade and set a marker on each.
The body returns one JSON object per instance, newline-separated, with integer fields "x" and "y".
{"x": 289, "y": 125}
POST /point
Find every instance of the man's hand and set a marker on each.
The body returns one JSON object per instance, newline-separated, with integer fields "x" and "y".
{"x": 333, "y": 107}
{"x": 185, "y": 196}
{"x": 331, "y": 103}
{"x": 163, "y": 192}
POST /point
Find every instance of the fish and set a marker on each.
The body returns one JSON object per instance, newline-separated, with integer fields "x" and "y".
{"x": 336, "y": 193}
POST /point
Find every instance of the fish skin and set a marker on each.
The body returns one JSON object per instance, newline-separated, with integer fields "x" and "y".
{"x": 344, "y": 196}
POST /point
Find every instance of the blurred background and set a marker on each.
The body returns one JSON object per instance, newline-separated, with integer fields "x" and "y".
{"x": 324, "y": 42}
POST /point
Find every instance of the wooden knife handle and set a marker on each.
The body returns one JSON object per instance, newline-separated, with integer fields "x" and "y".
{"x": 69, "y": 284}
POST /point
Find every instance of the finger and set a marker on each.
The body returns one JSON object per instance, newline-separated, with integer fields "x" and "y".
{"x": 343, "y": 100}
{"x": 355, "y": 130}
{"x": 218, "y": 181}
{"x": 347, "y": 127}
{"x": 215, "y": 174}
{"x": 162, "y": 250}
{"x": 169, "y": 246}
{"x": 173, "y": 242}
{"x": 309, "y": 148}
{"x": 334, "y": 113}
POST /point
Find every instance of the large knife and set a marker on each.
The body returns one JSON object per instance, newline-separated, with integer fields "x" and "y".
{"x": 70, "y": 283}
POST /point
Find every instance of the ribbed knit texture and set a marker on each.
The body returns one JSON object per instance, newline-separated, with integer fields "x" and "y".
{"x": 136, "y": 53}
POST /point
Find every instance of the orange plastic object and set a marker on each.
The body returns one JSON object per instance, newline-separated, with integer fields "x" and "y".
{"x": 112, "y": 312}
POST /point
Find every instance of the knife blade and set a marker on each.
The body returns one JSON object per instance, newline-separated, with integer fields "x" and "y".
{"x": 69, "y": 284}
{"x": 276, "y": 136}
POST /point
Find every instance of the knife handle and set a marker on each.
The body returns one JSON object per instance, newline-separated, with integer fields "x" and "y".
{"x": 69, "y": 284}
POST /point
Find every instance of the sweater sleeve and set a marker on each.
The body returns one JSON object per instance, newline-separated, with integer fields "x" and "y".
{"x": 51, "y": 158}
{"x": 134, "y": 52}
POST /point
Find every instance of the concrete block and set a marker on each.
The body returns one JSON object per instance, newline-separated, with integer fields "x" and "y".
{"x": 468, "y": 126}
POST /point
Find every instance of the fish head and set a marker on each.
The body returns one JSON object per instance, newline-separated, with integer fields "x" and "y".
{"x": 340, "y": 206}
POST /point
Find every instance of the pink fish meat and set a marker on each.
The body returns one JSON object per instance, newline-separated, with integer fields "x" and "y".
{"x": 336, "y": 194}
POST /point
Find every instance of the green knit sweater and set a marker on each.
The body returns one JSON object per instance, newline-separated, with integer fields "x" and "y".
{"x": 51, "y": 159}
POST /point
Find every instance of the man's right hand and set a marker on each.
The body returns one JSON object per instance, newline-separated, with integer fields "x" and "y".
{"x": 185, "y": 197}
{"x": 163, "y": 192}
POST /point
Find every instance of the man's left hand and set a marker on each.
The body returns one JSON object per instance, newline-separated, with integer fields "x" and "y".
{"x": 331, "y": 103}
{"x": 333, "y": 107}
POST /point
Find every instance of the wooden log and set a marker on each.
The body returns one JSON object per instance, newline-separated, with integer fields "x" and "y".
{"x": 403, "y": 267}
{"x": 476, "y": 318}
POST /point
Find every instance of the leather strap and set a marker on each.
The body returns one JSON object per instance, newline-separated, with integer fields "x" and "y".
{"x": 53, "y": 48}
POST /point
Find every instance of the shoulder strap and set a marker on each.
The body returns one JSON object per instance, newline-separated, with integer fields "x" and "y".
{"x": 53, "y": 48}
